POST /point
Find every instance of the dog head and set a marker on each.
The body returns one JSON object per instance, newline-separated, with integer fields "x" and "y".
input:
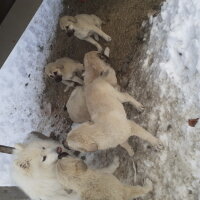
{"x": 35, "y": 157}
{"x": 67, "y": 24}
{"x": 96, "y": 65}
{"x": 54, "y": 71}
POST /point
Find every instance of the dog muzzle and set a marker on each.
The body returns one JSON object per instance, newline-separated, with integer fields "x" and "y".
{"x": 58, "y": 78}
{"x": 70, "y": 33}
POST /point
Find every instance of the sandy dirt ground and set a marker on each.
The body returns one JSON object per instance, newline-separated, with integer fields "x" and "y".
{"x": 124, "y": 20}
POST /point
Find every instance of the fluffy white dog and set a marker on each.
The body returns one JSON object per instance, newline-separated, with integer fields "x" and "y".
{"x": 34, "y": 171}
{"x": 84, "y": 26}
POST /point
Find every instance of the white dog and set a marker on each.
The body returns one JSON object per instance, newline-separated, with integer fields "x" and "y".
{"x": 95, "y": 185}
{"x": 76, "y": 105}
{"x": 34, "y": 171}
{"x": 66, "y": 70}
{"x": 109, "y": 126}
{"x": 84, "y": 26}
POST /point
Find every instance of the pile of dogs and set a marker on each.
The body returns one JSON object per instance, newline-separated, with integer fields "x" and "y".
{"x": 45, "y": 170}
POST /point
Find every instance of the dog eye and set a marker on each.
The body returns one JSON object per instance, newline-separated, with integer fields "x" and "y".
{"x": 51, "y": 76}
{"x": 55, "y": 73}
{"x": 44, "y": 158}
{"x": 67, "y": 27}
{"x": 103, "y": 57}
{"x": 43, "y": 148}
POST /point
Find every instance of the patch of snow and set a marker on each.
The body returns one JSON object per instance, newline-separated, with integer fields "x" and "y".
{"x": 172, "y": 95}
{"x": 21, "y": 82}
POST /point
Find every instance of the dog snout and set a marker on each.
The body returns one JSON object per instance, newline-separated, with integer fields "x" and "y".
{"x": 58, "y": 78}
{"x": 70, "y": 33}
{"x": 59, "y": 150}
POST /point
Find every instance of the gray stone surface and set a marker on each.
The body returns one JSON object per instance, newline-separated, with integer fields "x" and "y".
{"x": 12, "y": 193}
{"x": 14, "y": 25}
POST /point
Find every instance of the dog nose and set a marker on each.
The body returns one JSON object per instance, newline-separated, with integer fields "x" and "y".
{"x": 58, "y": 78}
{"x": 59, "y": 150}
{"x": 70, "y": 33}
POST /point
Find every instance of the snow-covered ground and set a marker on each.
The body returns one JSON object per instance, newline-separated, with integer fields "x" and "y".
{"x": 21, "y": 82}
{"x": 171, "y": 96}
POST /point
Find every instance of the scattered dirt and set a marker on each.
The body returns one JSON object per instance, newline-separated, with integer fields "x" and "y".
{"x": 124, "y": 19}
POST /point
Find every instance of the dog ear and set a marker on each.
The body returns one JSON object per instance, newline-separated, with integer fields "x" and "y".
{"x": 81, "y": 166}
{"x": 72, "y": 19}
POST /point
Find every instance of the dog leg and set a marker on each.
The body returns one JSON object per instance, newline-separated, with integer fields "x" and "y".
{"x": 92, "y": 41}
{"x": 102, "y": 34}
{"x": 137, "y": 191}
{"x": 68, "y": 85}
{"x": 145, "y": 135}
{"x": 128, "y": 148}
{"x": 77, "y": 80}
{"x": 125, "y": 97}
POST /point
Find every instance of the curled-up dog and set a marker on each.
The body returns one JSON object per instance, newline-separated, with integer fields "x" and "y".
{"x": 109, "y": 125}
{"x": 65, "y": 70}
{"x": 95, "y": 185}
{"x": 84, "y": 26}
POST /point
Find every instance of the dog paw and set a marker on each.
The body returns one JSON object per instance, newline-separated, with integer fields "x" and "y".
{"x": 159, "y": 146}
{"x": 99, "y": 48}
{"x": 148, "y": 184}
{"x": 140, "y": 107}
{"x": 108, "y": 38}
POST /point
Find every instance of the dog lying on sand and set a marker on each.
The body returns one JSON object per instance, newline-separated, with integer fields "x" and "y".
{"x": 65, "y": 70}
{"x": 109, "y": 126}
{"x": 84, "y": 26}
{"x": 94, "y": 185}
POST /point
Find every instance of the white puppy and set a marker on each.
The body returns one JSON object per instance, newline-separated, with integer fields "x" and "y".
{"x": 76, "y": 105}
{"x": 34, "y": 171}
{"x": 84, "y": 26}
{"x": 66, "y": 70}
{"x": 109, "y": 126}
{"x": 95, "y": 185}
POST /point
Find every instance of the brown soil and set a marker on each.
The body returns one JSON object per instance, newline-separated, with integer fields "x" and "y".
{"x": 124, "y": 20}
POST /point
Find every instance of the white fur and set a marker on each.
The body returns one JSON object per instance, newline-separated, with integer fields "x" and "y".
{"x": 37, "y": 178}
{"x": 84, "y": 27}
